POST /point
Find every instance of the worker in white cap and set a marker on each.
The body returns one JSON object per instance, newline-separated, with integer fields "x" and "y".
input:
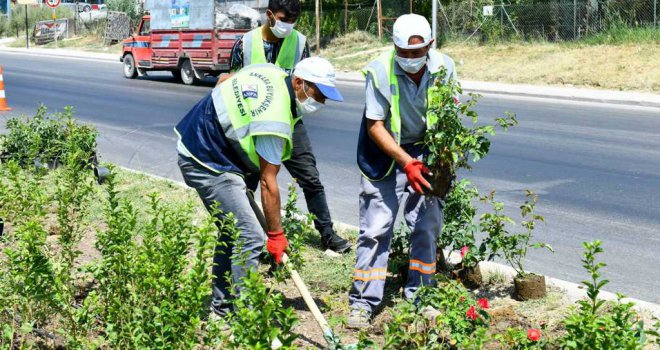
{"x": 389, "y": 156}
{"x": 244, "y": 126}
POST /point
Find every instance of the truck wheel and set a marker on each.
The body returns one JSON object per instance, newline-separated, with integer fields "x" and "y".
{"x": 177, "y": 75}
{"x": 188, "y": 73}
{"x": 130, "y": 71}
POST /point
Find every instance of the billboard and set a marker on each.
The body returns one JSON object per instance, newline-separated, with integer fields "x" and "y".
{"x": 176, "y": 14}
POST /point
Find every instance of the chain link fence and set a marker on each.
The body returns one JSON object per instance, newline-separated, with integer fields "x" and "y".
{"x": 353, "y": 16}
{"x": 552, "y": 21}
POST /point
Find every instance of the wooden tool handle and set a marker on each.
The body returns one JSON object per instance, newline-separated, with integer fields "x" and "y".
{"x": 302, "y": 288}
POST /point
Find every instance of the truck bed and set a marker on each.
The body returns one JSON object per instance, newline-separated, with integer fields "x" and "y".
{"x": 208, "y": 49}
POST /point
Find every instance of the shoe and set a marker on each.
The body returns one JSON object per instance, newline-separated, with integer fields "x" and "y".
{"x": 335, "y": 243}
{"x": 358, "y": 319}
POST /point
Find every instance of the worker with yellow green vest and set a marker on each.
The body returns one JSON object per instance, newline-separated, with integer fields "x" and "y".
{"x": 278, "y": 43}
{"x": 245, "y": 126}
{"x": 389, "y": 157}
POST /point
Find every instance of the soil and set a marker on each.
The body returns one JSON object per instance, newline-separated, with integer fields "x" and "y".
{"x": 529, "y": 287}
{"x": 470, "y": 277}
{"x": 441, "y": 179}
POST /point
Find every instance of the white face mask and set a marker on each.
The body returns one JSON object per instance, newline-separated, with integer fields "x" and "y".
{"x": 281, "y": 29}
{"x": 411, "y": 65}
{"x": 310, "y": 105}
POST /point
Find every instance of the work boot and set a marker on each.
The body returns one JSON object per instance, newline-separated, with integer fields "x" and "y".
{"x": 358, "y": 319}
{"x": 331, "y": 240}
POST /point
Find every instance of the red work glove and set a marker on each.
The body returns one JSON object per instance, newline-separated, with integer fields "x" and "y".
{"x": 276, "y": 245}
{"x": 414, "y": 170}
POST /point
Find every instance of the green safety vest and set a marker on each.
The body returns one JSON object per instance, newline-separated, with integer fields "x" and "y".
{"x": 255, "y": 101}
{"x": 385, "y": 81}
{"x": 290, "y": 52}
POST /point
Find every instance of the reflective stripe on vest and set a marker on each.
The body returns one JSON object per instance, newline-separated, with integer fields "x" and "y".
{"x": 385, "y": 81}
{"x": 290, "y": 53}
{"x": 255, "y": 101}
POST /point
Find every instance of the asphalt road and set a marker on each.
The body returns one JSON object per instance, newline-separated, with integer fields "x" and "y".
{"x": 595, "y": 166}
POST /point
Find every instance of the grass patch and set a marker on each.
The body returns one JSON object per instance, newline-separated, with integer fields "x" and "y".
{"x": 619, "y": 59}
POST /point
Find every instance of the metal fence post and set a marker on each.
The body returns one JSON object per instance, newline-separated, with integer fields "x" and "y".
{"x": 434, "y": 25}
{"x": 574, "y": 19}
{"x": 655, "y": 13}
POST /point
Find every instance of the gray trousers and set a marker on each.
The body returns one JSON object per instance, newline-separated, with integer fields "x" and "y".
{"x": 379, "y": 205}
{"x": 230, "y": 192}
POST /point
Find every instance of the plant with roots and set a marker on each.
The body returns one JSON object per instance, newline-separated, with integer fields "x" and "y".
{"x": 450, "y": 142}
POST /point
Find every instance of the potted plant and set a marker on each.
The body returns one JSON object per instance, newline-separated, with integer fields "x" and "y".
{"x": 450, "y": 142}
{"x": 514, "y": 248}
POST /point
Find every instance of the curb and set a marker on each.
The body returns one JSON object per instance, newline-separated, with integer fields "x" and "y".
{"x": 90, "y": 56}
{"x": 573, "y": 291}
{"x": 639, "y": 99}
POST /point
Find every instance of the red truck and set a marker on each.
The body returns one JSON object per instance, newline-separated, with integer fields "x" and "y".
{"x": 190, "y": 54}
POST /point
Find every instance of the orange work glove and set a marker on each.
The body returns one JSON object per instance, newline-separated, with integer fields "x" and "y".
{"x": 414, "y": 171}
{"x": 276, "y": 245}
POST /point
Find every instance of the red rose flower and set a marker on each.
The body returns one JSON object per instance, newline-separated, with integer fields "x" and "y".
{"x": 533, "y": 334}
{"x": 471, "y": 313}
{"x": 483, "y": 302}
{"x": 461, "y": 299}
{"x": 464, "y": 251}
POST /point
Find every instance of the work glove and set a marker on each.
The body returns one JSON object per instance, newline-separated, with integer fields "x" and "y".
{"x": 276, "y": 245}
{"x": 415, "y": 171}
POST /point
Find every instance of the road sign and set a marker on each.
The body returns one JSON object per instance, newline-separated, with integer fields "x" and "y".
{"x": 53, "y": 3}
{"x": 28, "y": 2}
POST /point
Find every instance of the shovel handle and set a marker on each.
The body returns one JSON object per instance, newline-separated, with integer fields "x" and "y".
{"x": 307, "y": 296}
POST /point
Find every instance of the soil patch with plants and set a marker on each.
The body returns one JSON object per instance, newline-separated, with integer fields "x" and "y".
{"x": 127, "y": 264}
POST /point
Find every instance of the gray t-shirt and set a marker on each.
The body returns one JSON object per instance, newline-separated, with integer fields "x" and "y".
{"x": 412, "y": 102}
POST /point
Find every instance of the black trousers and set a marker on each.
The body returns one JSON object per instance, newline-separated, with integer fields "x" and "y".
{"x": 302, "y": 167}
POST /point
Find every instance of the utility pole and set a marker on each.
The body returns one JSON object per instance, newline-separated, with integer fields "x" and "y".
{"x": 574, "y": 19}
{"x": 345, "y": 16}
{"x": 27, "y": 39}
{"x": 411, "y": 6}
{"x": 434, "y": 25}
{"x": 380, "y": 19}
{"x": 318, "y": 27}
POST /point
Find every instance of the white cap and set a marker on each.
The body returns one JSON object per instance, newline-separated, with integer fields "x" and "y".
{"x": 319, "y": 71}
{"x": 410, "y": 25}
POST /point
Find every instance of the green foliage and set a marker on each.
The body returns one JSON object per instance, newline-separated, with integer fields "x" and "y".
{"x": 298, "y": 228}
{"x": 153, "y": 281}
{"x": 591, "y": 326}
{"x": 259, "y": 317}
{"x": 515, "y": 246}
{"x": 451, "y": 143}
{"x": 48, "y": 138}
{"x": 461, "y": 322}
{"x": 35, "y": 14}
{"x": 459, "y": 226}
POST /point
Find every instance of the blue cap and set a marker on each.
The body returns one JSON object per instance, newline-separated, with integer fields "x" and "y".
{"x": 330, "y": 92}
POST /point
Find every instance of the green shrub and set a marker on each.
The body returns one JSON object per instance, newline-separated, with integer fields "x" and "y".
{"x": 460, "y": 324}
{"x": 597, "y": 325}
{"x": 51, "y": 139}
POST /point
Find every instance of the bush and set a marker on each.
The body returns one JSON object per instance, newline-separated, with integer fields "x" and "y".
{"x": 595, "y": 326}
{"x": 51, "y": 139}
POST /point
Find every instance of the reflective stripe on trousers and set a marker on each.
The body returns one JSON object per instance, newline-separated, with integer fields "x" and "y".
{"x": 379, "y": 204}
